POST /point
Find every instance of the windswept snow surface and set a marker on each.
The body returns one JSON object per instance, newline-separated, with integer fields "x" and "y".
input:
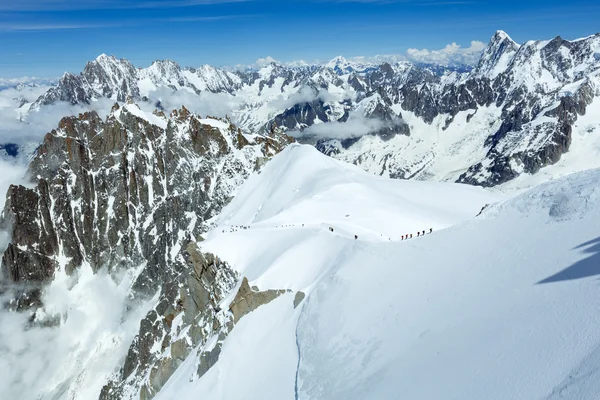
{"x": 301, "y": 193}
{"x": 500, "y": 306}
{"x": 503, "y": 307}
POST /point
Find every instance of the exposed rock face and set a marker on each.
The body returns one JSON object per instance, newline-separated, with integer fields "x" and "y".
{"x": 507, "y": 157}
{"x": 132, "y": 191}
{"x": 186, "y": 316}
{"x": 249, "y": 299}
{"x": 123, "y": 192}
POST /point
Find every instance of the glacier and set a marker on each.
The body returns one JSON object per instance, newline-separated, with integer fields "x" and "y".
{"x": 498, "y": 306}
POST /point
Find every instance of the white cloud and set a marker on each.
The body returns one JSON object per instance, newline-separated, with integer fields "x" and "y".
{"x": 357, "y": 125}
{"x": 450, "y": 55}
{"x": 19, "y": 126}
{"x": 308, "y": 95}
{"x": 262, "y": 62}
{"x": 98, "y": 321}
{"x": 206, "y": 103}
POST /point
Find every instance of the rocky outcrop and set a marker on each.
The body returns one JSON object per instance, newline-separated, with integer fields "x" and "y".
{"x": 506, "y": 155}
{"x": 186, "y": 316}
{"x": 249, "y": 299}
{"x": 189, "y": 316}
{"x": 122, "y": 192}
{"x": 132, "y": 192}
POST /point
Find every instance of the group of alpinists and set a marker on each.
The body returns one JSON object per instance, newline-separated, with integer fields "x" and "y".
{"x": 420, "y": 233}
{"x": 404, "y": 237}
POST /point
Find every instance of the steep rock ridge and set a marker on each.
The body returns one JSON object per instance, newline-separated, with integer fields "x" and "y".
{"x": 123, "y": 192}
{"x": 512, "y": 113}
{"x": 549, "y": 85}
{"x": 188, "y": 317}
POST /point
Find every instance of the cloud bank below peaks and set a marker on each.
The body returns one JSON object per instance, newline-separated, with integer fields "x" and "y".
{"x": 357, "y": 125}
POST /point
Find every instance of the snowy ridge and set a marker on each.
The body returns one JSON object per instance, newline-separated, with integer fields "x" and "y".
{"x": 383, "y": 318}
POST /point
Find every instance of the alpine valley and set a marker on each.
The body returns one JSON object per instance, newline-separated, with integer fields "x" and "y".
{"x": 306, "y": 231}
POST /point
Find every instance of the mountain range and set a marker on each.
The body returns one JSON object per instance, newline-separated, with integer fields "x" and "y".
{"x": 171, "y": 240}
{"x": 514, "y": 112}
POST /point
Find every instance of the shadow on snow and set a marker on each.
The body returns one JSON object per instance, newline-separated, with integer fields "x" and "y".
{"x": 589, "y": 266}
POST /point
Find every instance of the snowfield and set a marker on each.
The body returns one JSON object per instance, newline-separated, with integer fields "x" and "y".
{"x": 504, "y": 305}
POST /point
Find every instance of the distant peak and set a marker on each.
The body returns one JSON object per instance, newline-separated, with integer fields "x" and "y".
{"x": 103, "y": 57}
{"x": 337, "y": 61}
{"x": 501, "y": 36}
{"x": 165, "y": 62}
{"x": 66, "y": 76}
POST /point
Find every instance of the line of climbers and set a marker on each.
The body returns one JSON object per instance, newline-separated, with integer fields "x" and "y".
{"x": 235, "y": 228}
{"x": 419, "y": 233}
{"x": 404, "y": 237}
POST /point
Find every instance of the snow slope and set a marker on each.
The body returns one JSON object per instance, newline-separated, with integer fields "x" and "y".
{"x": 301, "y": 193}
{"x": 502, "y": 306}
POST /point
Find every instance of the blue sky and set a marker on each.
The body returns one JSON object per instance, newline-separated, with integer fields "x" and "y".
{"x": 44, "y": 38}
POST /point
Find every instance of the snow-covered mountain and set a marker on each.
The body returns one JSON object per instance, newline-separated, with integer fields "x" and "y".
{"x": 515, "y": 112}
{"x": 133, "y": 283}
{"x": 499, "y": 306}
{"x": 155, "y": 251}
{"x": 117, "y": 199}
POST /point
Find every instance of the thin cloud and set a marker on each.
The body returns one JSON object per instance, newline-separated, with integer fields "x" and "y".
{"x": 417, "y": 2}
{"x": 445, "y": 3}
{"x": 16, "y": 27}
{"x": 67, "y": 5}
{"x": 35, "y": 26}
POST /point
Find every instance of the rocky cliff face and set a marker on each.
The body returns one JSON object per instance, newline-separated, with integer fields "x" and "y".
{"x": 122, "y": 192}
{"x": 187, "y": 318}
{"x": 133, "y": 192}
